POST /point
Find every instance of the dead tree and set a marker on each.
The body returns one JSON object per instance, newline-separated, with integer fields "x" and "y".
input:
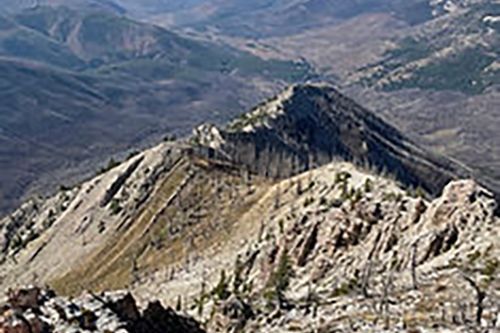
{"x": 299, "y": 187}
{"x": 480, "y": 296}
{"x": 277, "y": 198}
{"x": 366, "y": 277}
{"x": 414, "y": 265}
{"x": 384, "y": 302}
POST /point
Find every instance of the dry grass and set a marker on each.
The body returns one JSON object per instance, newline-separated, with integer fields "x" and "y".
{"x": 111, "y": 266}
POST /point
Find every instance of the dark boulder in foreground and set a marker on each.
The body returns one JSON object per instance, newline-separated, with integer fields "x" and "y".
{"x": 33, "y": 310}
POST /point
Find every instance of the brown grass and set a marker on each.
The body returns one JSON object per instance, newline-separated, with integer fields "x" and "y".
{"x": 111, "y": 266}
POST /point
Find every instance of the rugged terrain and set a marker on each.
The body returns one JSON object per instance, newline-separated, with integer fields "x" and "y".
{"x": 281, "y": 221}
{"x": 33, "y": 310}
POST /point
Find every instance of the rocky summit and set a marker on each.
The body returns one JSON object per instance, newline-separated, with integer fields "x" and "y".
{"x": 307, "y": 214}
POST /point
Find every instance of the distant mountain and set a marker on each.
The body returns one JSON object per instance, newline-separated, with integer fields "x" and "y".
{"x": 92, "y": 40}
{"x": 457, "y": 52}
{"x": 78, "y": 85}
{"x": 266, "y": 18}
{"x": 16, "y": 6}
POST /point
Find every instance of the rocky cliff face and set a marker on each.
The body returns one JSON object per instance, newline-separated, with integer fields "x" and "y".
{"x": 311, "y": 125}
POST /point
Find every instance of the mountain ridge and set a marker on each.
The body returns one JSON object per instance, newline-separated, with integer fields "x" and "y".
{"x": 243, "y": 248}
{"x": 320, "y": 125}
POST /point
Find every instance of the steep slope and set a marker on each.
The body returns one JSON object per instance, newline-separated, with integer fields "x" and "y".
{"x": 440, "y": 83}
{"x": 57, "y": 125}
{"x": 304, "y": 127}
{"x": 314, "y": 124}
{"x": 379, "y": 261}
{"x": 209, "y": 227}
{"x": 436, "y": 81}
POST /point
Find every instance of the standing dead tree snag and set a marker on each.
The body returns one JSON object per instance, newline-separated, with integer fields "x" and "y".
{"x": 366, "y": 277}
{"x": 480, "y": 296}
{"x": 414, "y": 265}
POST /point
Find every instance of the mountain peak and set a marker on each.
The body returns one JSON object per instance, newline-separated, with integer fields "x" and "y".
{"x": 281, "y": 104}
{"x": 312, "y": 124}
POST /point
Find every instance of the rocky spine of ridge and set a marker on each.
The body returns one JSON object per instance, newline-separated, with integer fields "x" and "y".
{"x": 313, "y": 124}
{"x": 338, "y": 249}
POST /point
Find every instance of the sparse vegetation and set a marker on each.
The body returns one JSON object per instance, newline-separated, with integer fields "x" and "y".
{"x": 309, "y": 201}
{"x": 490, "y": 267}
{"x": 112, "y": 163}
{"x": 368, "y": 186}
{"x": 392, "y": 196}
{"x": 279, "y": 281}
{"x": 115, "y": 207}
{"x": 346, "y": 288}
{"x": 221, "y": 291}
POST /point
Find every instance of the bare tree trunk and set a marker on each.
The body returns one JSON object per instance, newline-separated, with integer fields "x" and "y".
{"x": 384, "y": 303}
{"x": 414, "y": 265}
{"x": 480, "y": 296}
{"x": 366, "y": 278}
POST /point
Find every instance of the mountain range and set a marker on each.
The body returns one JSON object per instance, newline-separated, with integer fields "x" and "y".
{"x": 360, "y": 194}
{"x": 430, "y": 67}
{"x": 361, "y": 197}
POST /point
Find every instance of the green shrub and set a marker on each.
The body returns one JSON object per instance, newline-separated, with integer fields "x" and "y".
{"x": 368, "y": 187}
{"x": 345, "y": 288}
{"x": 221, "y": 289}
{"x": 490, "y": 267}
{"x": 308, "y": 201}
{"x": 115, "y": 207}
{"x": 279, "y": 280}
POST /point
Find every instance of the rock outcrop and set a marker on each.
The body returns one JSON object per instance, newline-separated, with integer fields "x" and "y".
{"x": 33, "y": 310}
{"x": 376, "y": 261}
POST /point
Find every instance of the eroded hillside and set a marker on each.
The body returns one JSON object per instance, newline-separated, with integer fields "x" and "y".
{"x": 325, "y": 245}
